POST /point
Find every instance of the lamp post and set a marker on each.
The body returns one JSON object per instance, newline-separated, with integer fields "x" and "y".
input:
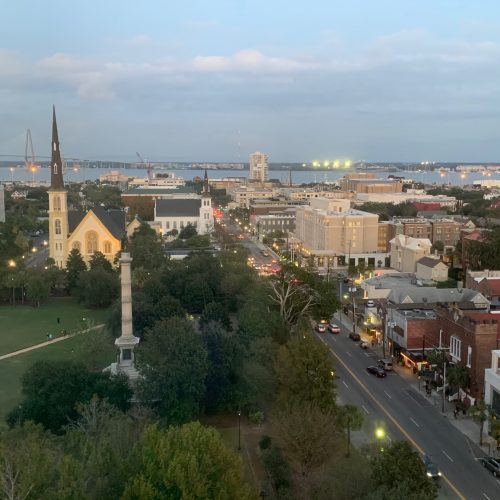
{"x": 239, "y": 430}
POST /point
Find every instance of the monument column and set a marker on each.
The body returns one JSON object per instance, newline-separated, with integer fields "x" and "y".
{"x": 126, "y": 342}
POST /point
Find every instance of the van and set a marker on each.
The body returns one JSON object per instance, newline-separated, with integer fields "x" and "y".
{"x": 386, "y": 364}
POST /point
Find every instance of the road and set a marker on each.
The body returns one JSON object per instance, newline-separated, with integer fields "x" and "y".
{"x": 407, "y": 414}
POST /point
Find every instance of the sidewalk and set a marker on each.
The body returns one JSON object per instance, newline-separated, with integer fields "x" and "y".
{"x": 463, "y": 423}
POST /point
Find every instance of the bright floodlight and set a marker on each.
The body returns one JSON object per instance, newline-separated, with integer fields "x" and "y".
{"x": 336, "y": 164}
{"x": 379, "y": 433}
{"x": 326, "y": 163}
{"x": 348, "y": 163}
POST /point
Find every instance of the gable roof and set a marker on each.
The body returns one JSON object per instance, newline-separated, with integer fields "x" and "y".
{"x": 432, "y": 295}
{"x": 178, "y": 207}
{"x": 113, "y": 220}
{"x": 430, "y": 262}
{"x": 74, "y": 218}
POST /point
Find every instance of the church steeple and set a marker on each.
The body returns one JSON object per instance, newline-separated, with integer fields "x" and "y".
{"x": 56, "y": 174}
{"x": 205, "y": 185}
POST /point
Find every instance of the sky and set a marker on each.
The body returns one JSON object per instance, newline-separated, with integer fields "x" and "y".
{"x": 214, "y": 80}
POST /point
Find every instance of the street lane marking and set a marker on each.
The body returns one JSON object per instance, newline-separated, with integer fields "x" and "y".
{"x": 447, "y": 456}
{"x": 366, "y": 411}
{"x": 486, "y": 496}
{"x": 414, "y": 422}
{"x": 390, "y": 417}
{"x": 349, "y": 354}
{"x": 334, "y": 339}
{"x": 345, "y": 384}
{"x": 387, "y": 394}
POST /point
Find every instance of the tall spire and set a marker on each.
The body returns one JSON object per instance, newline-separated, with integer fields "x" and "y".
{"x": 56, "y": 174}
{"x": 205, "y": 184}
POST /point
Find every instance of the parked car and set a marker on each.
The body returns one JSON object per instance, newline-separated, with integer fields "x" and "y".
{"x": 320, "y": 327}
{"x": 355, "y": 336}
{"x": 385, "y": 364}
{"x": 333, "y": 328}
{"x": 363, "y": 344}
{"x": 376, "y": 370}
{"x": 492, "y": 464}
{"x": 370, "y": 303}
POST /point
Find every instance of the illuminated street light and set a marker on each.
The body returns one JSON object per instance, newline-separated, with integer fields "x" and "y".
{"x": 12, "y": 263}
{"x": 380, "y": 433}
{"x": 34, "y": 250}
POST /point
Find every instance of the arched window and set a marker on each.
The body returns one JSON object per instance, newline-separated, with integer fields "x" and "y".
{"x": 91, "y": 242}
{"x": 58, "y": 226}
{"x": 57, "y": 203}
{"x": 107, "y": 247}
{"x": 77, "y": 246}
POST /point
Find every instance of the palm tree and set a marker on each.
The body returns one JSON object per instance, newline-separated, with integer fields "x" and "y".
{"x": 350, "y": 418}
{"x": 479, "y": 413}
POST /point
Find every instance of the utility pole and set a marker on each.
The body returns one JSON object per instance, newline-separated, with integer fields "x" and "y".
{"x": 444, "y": 384}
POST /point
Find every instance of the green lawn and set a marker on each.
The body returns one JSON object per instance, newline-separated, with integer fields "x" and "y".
{"x": 24, "y": 326}
{"x": 89, "y": 348}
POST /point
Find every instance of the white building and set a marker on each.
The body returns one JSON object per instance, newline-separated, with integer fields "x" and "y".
{"x": 407, "y": 251}
{"x": 258, "y": 167}
{"x": 165, "y": 181}
{"x": 492, "y": 382}
{"x": 176, "y": 211}
{"x": 431, "y": 268}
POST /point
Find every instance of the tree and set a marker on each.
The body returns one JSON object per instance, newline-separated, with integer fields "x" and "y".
{"x": 38, "y": 288}
{"x": 186, "y": 462}
{"x": 146, "y": 249}
{"x": 214, "y": 312}
{"x": 223, "y": 361}
{"x": 97, "y": 288}
{"x": 479, "y": 413}
{"x": 304, "y": 372}
{"x": 174, "y": 365}
{"x": 351, "y": 419}
{"x": 187, "y": 232}
{"x": 306, "y": 434}
{"x": 457, "y": 377}
{"x": 399, "y": 469}
{"x": 99, "y": 261}
{"x": 294, "y": 298}
{"x": 52, "y": 389}
{"x": 74, "y": 267}
{"x": 438, "y": 246}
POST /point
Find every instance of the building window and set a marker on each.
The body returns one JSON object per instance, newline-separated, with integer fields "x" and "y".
{"x": 167, "y": 225}
{"x": 91, "y": 242}
{"x": 455, "y": 347}
{"x": 58, "y": 226}
{"x": 57, "y": 203}
{"x": 174, "y": 224}
{"x": 469, "y": 356}
{"x": 107, "y": 247}
{"x": 77, "y": 246}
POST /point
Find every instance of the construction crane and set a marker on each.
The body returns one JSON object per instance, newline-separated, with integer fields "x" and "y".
{"x": 29, "y": 155}
{"x": 147, "y": 166}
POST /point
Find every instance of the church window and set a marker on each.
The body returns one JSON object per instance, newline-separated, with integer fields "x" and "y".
{"x": 58, "y": 226}
{"x": 107, "y": 247}
{"x": 57, "y": 203}
{"x": 77, "y": 246}
{"x": 55, "y": 168}
{"x": 91, "y": 242}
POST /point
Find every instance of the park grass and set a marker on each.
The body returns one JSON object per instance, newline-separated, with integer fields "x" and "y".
{"x": 81, "y": 348}
{"x": 24, "y": 326}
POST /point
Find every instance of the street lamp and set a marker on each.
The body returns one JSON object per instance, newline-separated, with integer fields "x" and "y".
{"x": 239, "y": 430}
{"x": 12, "y": 263}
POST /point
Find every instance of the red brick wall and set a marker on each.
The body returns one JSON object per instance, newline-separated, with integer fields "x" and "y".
{"x": 417, "y": 329}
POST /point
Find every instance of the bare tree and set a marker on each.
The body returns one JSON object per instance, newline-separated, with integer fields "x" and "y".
{"x": 10, "y": 482}
{"x": 294, "y": 299}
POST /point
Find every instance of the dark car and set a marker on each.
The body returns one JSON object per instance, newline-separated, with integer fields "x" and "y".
{"x": 492, "y": 464}
{"x": 355, "y": 336}
{"x": 375, "y": 370}
{"x": 431, "y": 468}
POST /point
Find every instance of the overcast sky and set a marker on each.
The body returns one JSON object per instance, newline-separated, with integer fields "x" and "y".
{"x": 213, "y": 80}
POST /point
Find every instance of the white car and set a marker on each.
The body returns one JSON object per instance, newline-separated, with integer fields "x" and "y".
{"x": 370, "y": 303}
{"x": 333, "y": 328}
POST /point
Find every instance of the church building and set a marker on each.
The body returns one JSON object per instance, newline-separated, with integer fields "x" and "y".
{"x": 176, "y": 211}
{"x": 96, "y": 230}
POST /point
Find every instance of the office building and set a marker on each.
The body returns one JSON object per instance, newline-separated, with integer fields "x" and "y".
{"x": 258, "y": 167}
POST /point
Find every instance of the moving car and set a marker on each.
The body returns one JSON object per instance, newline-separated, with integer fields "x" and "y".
{"x": 355, "y": 336}
{"x": 376, "y": 370}
{"x": 492, "y": 464}
{"x": 370, "y": 303}
{"x": 431, "y": 468}
{"x": 363, "y": 344}
{"x": 333, "y": 328}
{"x": 385, "y": 364}
{"x": 320, "y": 327}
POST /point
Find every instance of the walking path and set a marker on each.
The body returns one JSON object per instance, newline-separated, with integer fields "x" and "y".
{"x": 48, "y": 342}
{"x": 465, "y": 424}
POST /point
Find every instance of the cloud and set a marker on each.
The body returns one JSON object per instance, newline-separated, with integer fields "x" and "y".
{"x": 11, "y": 63}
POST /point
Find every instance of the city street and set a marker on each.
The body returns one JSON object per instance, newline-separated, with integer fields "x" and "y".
{"x": 407, "y": 414}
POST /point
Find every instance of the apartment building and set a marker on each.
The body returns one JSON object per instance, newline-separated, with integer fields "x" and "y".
{"x": 243, "y": 196}
{"x": 259, "y": 167}
{"x": 330, "y": 228}
{"x": 445, "y": 230}
{"x": 407, "y": 251}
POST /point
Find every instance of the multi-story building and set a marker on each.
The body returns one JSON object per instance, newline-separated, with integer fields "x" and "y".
{"x": 492, "y": 383}
{"x": 367, "y": 183}
{"x": 407, "y": 251}
{"x": 299, "y": 194}
{"x": 279, "y": 221}
{"x": 383, "y": 237}
{"x": 412, "y": 196}
{"x": 258, "y": 167}
{"x": 245, "y": 195}
{"x": 330, "y": 229}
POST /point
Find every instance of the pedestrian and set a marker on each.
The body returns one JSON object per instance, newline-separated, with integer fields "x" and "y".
{"x": 455, "y": 412}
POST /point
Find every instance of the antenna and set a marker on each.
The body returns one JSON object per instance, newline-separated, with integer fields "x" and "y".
{"x": 29, "y": 155}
